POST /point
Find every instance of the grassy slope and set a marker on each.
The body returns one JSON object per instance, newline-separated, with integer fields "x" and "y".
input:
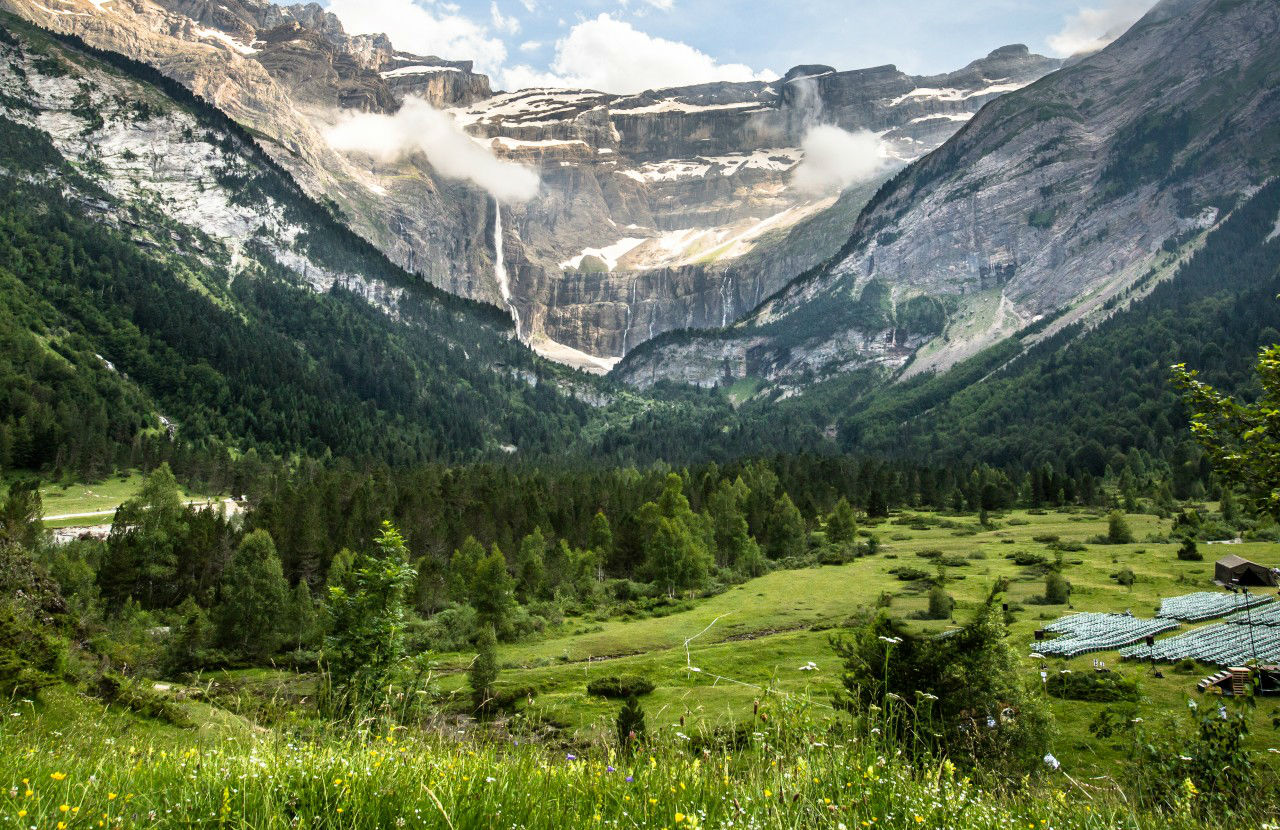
{"x": 766, "y": 629}
{"x": 72, "y": 764}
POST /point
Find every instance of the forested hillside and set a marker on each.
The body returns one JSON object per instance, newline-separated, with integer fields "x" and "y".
{"x": 119, "y": 317}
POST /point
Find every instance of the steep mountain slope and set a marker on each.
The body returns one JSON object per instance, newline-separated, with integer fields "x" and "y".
{"x": 1047, "y": 207}
{"x": 279, "y": 72}
{"x": 161, "y": 278}
{"x": 668, "y": 209}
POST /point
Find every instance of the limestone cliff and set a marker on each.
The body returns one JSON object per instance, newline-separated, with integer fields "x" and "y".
{"x": 1056, "y": 203}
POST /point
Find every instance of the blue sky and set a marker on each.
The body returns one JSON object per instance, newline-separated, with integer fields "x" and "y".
{"x": 628, "y": 45}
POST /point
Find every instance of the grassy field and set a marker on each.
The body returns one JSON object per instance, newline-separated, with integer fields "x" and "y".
{"x": 758, "y": 635}
{"x": 255, "y": 760}
{"x": 70, "y": 764}
{"x": 99, "y": 498}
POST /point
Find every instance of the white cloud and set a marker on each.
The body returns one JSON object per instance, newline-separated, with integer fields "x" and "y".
{"x": 531, "y": 46}
{"x": 439, "y": 31}
{"x": 529, "y": 5}
{"x": 834, "y": 159}
{"x": 503, "y": 23}
{"x": 1091, "y": 29}
{"x": 419, "y": 128}
{"x": 611, "y": 55}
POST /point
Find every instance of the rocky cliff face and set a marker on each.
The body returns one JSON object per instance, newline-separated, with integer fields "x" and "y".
{"x": 431, "y": 225}
{"x": 1054, "y": 204}
{"x": 666, "y": 210}
{"x": 674, "y": 209}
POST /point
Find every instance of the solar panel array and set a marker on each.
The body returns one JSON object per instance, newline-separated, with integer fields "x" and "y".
{"x": 1223, "y": 644}
{"x": 1207, "y": 605}
{"x": 1089, "y": 632}
{"x": 1267, "y": 615}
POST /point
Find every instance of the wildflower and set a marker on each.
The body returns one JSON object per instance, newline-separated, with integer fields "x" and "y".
{"x": 768, "y": 794}
{"x": 679, "y": 817}
{"x": 21, "y": 813}
{"x": 571, "y": 757}
{"x": 1051, "y": 762}
{"x": 630, "y": 779}
{"x": 64, "y": 808}
{"x": 609, "y": 769}
{"x": 57, "y": 776}
{"x": 111, "y": 796}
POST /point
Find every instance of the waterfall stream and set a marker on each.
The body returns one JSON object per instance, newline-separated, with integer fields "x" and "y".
{"x": 500, "y": 265}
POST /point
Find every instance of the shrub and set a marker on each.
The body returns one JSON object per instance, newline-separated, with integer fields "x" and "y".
{"x": 132, "y": 695}
{"x": 1023, "y": 559}
{"x": 1098, "y": 687}
{"x": 929, "y": 554}
{"x": 1189, "y": 552}
{"x": 1125, "y": 577}
{"x": 1046, "y": 538}
{"x": 620, "y": 687}
{"x": 909, "y": 574}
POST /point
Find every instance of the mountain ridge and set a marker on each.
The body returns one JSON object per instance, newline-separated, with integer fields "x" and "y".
{"x": 1031, "y": 211}
{"x": 685, "y": 210}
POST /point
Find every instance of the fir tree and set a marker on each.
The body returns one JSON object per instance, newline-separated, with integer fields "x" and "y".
{"x": 842, "y": 524}
{"x": 630, "y": 726}
{"x": 253, "y": 593}
{"x": 483, "y": 672}
{"x": 786, "y": 529}
{"x": 492, "y": 593}
{"x": 531, "y": 568}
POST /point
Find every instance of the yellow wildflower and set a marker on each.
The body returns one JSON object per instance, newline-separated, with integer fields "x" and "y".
{"x": 57, "y": 776}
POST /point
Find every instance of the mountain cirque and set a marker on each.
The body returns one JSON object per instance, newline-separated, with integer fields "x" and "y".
{"x": 666, "y": 210}
{"x": 1056, "y": 204}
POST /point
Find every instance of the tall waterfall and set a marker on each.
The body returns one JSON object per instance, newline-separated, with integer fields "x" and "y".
{"x": 500, "y": 265}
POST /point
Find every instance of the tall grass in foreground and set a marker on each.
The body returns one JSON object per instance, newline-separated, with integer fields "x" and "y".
{"x": 789, "y": 775}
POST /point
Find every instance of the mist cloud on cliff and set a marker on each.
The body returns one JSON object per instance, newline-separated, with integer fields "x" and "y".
{"x": 1091, "y": 29}
{"x": 835, "y": 159}
{"x": 420, "y": 128}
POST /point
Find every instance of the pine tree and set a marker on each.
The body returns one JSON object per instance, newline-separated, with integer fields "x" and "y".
{"x": 142, "y": 550}
{"x": 462, "y": 569}
{"x": 630, "y": 726}
{"x": 492, "y": 593}
{"x": 673, "y": 559}
{"x": 303, "y": 619}
{"x": 531, "y": 568}
{"x": 189, "y": 639}
{"x": 842, "y": 524}
{"x": 253, "y": 594}
{"x": 484, "y": 670}
{"x": 600, "y": 538}
{"x": 734, "y": 546}
{"x": 878, "y": 507}
{"x": 1118, "y": 532}
{"x": 786, "y": 529}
